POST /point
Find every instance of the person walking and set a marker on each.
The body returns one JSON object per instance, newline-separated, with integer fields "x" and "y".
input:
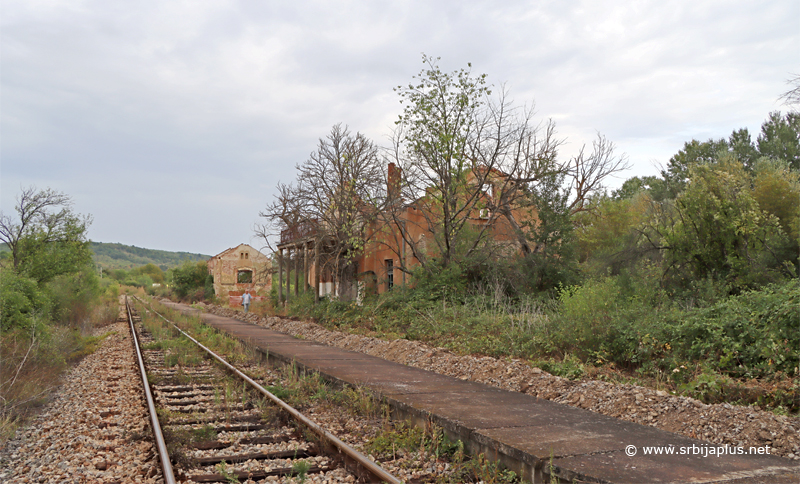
{"x": 246, "y": 301}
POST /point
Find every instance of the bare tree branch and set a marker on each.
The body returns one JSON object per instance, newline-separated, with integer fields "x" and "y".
{"x": 588, "y": 172}
{"x": 792, "y": 96}
{"x": 339, "y": 189}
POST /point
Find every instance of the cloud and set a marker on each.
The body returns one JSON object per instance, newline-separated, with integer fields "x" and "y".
{"x": 204, "y": 106}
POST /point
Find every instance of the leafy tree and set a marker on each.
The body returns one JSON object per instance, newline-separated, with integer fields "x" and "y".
{"x": 656, "y": 188}
{"x": 717, "y": 229}
{"x": 47, "y": 239}
{"x": 693, "y": 153}
{"x": 191, "y": 279}
{"x": 153, "y": 272}
{"x": 609, "y": 237}
{"x": 50, "y": 275}
{"x": 44, "y": 261}
{"x": 21, "y": 300}
{"x": 440, "y": 144}
{"x": 463, "y": 150}
{"x": 776, "y": 187}
{"x": 552, "y": 261}
{"x": 780, "y": 138}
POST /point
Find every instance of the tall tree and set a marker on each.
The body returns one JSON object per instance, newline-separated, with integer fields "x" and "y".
{"x": 780, "y": 138}
{"x": 463, "y": 150}
{"x": 717, "y": 229}
{"x": 460, "y": 152}
{"x": 337, "y": 192}
{"x": 46, "y": 238}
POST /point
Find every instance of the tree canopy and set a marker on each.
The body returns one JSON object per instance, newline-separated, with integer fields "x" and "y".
{"x": 46, "y": 237}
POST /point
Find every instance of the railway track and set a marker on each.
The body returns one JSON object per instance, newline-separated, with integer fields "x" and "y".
{"x": 214, "y": 423}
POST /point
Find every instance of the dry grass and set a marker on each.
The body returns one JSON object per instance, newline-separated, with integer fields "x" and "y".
{"x": 33, "y": 361}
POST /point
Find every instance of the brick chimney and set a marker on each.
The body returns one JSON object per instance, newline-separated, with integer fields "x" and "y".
{"x": 393, "y": 182}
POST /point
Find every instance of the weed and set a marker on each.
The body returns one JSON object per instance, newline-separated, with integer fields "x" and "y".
{"x": 410, "y": 438}
{"x": 229, "y": 476}
{"x": 300, "y": 469}
{"x": 204, "y": 433}
{"x": 483, "y": 470}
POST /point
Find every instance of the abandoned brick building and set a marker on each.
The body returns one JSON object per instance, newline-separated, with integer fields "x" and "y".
{"x": 377, "y": 268}
{"x": 238, "y": 269}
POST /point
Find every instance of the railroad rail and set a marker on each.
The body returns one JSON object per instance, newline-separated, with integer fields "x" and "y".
{"x": 187, "y": 404}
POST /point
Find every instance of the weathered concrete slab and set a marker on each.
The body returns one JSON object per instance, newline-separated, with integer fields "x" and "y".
{"x": 534, "y": 437}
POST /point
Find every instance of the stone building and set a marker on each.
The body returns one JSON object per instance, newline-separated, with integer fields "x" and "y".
{"x": 238, "y": 269}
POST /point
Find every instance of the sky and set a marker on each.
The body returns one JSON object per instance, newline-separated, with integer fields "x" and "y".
{"x": 172, "y": 122}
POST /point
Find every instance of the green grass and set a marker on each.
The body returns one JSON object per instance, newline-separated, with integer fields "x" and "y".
{"x": 741, "y": 349}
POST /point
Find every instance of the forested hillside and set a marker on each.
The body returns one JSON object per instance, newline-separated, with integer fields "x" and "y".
{"x": 120, "y": 256}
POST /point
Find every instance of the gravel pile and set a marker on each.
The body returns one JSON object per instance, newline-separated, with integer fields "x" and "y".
{"x": 96, "y": 428}
{"x": 718, "y": 423}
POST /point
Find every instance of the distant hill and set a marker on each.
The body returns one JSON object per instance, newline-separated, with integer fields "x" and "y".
{"x": 120, "y": 256}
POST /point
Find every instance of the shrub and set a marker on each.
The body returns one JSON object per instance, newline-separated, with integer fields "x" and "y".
{"x": 751, "y": 335}
{"x": 192, "y": 279}
{"x": 20, "y": 300}
{"x": 449, "y": 282}
{"x": 74, "y": 296}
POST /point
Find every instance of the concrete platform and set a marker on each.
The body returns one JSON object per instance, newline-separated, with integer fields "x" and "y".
{"x": 535, "y": 438}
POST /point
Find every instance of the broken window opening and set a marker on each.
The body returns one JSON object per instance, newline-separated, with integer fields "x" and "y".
{"x": 244, "y": 277}
{"x": 389, "y": 274}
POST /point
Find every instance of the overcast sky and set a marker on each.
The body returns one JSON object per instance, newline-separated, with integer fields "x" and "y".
{"x": 171, "y": 122}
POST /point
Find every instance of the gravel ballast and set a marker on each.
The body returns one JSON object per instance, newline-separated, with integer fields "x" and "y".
{"x": 95, "y": 430}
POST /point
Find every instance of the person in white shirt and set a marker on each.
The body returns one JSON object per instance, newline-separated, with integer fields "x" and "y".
{"x": 246, "y": 297}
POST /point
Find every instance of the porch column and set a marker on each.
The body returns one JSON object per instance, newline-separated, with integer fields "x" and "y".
{"x": 296, "y": 270}
{"x": 288, "y": 273}
{"x": 280, "y": 276}
{"x": 305, "y": 267}
{"x": 316, "y": 278}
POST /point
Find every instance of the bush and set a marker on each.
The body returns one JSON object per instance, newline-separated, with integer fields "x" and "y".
{"x": 192, "y": 280}
{"x": 74, "y": 296}
{"x": 751, "y": 335}
{"x": 448, "y": 282}
{"x": 596, "y": 321}
{"x": 20, "y": 300}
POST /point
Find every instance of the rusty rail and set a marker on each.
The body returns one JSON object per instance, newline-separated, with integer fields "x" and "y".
{"x": 161, "y": 445}
{"x": 351, "y": 455}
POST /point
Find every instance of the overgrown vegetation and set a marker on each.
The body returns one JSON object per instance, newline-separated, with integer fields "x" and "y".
{"x": 686, "y": 281}
{"x": 51, "y": 300}
{"x": 397, "y": 439}
{"x": 192, "y": 282}
{"x": 189, "y": 281}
